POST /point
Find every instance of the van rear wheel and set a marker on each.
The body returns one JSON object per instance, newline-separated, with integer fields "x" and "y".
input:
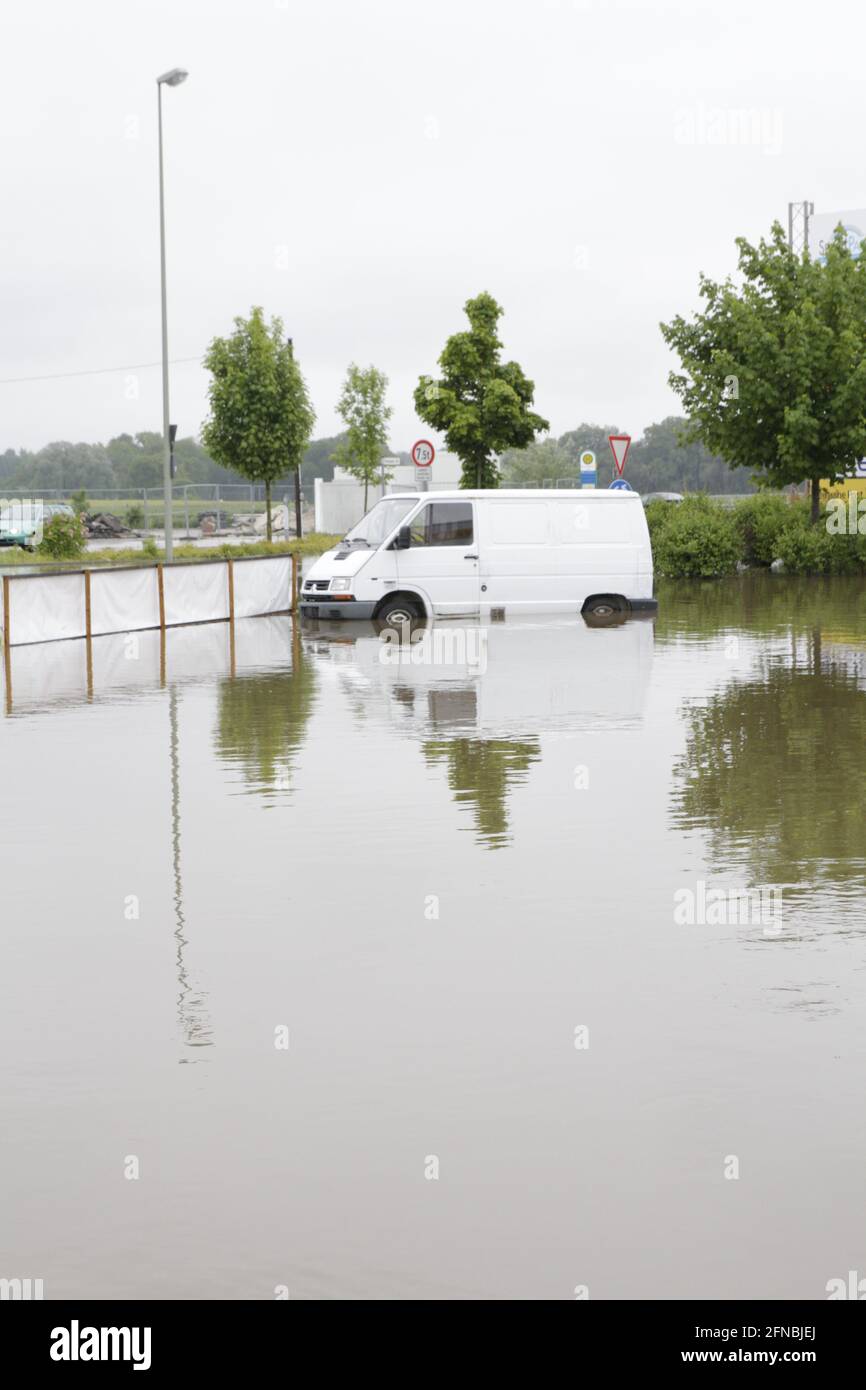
{"x": 607, "y": 610}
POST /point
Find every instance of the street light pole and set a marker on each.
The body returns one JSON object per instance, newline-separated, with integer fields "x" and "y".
{"x": 168, "y": 79}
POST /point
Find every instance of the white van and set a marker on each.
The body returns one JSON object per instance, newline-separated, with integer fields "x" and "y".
{"x": 463, "y": 554}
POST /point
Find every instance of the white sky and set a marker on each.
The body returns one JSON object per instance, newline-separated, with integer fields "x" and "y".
{"x": 362, "y": 168}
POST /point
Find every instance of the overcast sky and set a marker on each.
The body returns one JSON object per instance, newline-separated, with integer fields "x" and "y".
{"x": 361, "y": 167}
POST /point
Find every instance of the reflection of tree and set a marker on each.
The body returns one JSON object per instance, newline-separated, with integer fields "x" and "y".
{"x": 482, "y": 772}
{"x": 760, "y": 603}
{"x": 773, "y": 768}
{"x": 262, "y": 720}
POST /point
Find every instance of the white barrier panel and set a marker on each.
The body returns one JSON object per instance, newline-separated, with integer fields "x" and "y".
{"x": 127, "y": 659}
{"x": 44, "y": 675}
{"x": 46, "y": 608}
{"x": 123, "y": 600}
{"x": 264, "y": 642}
{"x": 53, "y": 607}
{"x": 262, "y": 586}
{"x": 198, "y": 652}
{"x": 196, "y": 593}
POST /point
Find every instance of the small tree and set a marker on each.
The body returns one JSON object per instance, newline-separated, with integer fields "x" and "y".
{"x": 260, "y": 418}
{"x": 363, "y": 411}
{"x": 63, "y": 537}
{"x": 774, "y": 371}
{"x": 480, "y": 403}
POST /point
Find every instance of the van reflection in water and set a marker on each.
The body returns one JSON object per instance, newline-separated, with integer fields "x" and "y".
{"x": 479, "y": 698}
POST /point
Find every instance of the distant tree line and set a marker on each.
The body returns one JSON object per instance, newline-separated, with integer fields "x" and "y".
{"x": 135, "y": 461}
{"x": 657, "y": 462}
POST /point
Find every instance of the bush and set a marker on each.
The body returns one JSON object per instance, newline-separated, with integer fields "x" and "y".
{"x": 658, "y": 514}
{"x": 148, "y": 548}
{"x": 134, "y": 515}
{"x": 760, "y": 521}
{"x": 698, "y": 540}
{"x": 63, "y": 537}
{"x": 814, "y": 550}
{"x": 79, "y": 501}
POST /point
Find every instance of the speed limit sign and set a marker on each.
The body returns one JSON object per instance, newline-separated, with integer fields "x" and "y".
{"x": 423, "y": 453}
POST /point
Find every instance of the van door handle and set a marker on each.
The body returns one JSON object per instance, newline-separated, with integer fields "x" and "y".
{"x": 470, "y": 557}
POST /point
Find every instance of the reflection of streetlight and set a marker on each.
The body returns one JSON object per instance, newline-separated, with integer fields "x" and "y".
{"x": 191, "y": 1006}
{"x": 168, "y": 79}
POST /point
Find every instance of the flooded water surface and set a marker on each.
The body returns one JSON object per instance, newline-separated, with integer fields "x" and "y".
{"x": 498, "y": 963}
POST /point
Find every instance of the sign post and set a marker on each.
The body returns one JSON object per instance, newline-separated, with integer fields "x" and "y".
{"x": 588, "y": 470}
{"x": 423, "y": 455}
{"x": 385, "y": 465}
{"x": 619, "y": 446}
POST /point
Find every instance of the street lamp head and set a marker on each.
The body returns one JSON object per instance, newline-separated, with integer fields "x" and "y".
{"x": 173, "y": 78}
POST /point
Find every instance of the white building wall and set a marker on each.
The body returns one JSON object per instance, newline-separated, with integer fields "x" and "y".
{"x": 340, "y": 504}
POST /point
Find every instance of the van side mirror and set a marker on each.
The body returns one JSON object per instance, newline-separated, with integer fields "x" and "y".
{"x": 403, "y": 539}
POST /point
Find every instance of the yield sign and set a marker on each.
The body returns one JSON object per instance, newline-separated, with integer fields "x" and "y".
{"x": 619, "y": 448}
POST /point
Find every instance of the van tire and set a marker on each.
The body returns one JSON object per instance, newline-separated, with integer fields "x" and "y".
{"x": 605, "y": 605}
{"x": 397, "y": 610}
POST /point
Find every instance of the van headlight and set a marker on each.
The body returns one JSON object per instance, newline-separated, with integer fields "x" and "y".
{"x": 340, "y": 586}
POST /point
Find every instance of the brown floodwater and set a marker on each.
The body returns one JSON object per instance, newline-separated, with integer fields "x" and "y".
{"x": 371, "y": 970}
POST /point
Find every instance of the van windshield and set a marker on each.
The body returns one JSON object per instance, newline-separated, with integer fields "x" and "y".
{"x": 372, "y": 529}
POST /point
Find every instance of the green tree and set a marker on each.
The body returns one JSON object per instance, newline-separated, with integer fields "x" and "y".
{"x": 539, "y": 461}
{"x": 260, "y": 413}
{"x": 318, "y": 461}
{"x": 480, "y": 404}
{"x": 67, "y": 466}
{"x": 666, "y": 460}
{"x": 363, "y": 411}
{"x": 774, "y": 370}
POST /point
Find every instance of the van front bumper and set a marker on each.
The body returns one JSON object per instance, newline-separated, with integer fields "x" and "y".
{"x": 323, "y": 607}
{"x": 644, "y": 605}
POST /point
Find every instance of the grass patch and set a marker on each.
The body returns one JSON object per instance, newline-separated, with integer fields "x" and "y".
{"x": 315, "y": 544}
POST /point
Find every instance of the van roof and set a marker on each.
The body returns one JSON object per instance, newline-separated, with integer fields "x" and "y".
{"x": 521, "y": 494}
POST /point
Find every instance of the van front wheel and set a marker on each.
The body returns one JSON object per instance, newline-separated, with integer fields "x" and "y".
{"x": 398, "y": 610}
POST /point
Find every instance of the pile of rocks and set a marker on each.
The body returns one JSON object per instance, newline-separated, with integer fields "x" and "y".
{"x": 212, "y": 521}
{"x": 104, "y": 526}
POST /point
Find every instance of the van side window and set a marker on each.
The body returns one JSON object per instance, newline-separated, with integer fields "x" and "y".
{"x": 443, "y": 523}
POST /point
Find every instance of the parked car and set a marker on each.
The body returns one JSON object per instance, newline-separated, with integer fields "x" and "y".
{"x": 50, "y": 509}
{"x": 662, "y": 497}
{"x": 21, "y": 523}
{"x": 447, "y": 554}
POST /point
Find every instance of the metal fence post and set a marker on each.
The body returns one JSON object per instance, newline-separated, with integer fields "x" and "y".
{"x": 6, "y": 610}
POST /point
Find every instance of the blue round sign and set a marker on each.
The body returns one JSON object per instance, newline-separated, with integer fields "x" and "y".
{"x": 620, "y": 485}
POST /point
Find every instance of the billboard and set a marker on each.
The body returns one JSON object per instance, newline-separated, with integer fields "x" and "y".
{"x": 823, "y": 225}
